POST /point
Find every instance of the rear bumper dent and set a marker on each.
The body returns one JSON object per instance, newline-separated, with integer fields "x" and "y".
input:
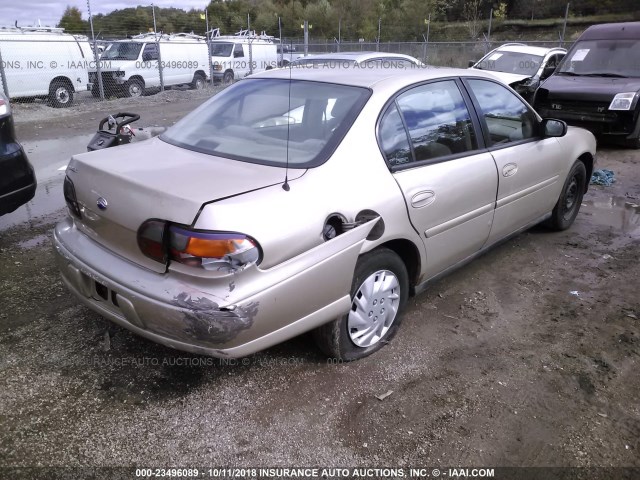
{"x": 231, "y": 317}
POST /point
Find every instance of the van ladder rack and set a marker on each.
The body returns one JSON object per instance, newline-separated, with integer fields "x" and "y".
{"x": 242, "y": 34}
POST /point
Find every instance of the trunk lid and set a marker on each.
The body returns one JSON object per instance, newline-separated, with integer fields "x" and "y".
{"x": 154, "y": 179}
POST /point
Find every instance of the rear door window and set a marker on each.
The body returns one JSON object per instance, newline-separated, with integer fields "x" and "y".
{"x": 438, "y": 121}
{"x": 426, "y": 123}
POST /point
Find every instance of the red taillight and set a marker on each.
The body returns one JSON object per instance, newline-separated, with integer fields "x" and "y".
{"x": 69, "y": 192}
{"x": 151, "y": 240}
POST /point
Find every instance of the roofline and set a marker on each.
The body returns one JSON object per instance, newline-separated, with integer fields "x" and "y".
{"x": 606, "y": 31}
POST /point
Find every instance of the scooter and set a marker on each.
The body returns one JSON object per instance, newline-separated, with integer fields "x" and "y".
{"x": 118, "y": 132}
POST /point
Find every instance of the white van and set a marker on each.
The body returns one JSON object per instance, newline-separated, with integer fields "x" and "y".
{"x": 45, "y": 63}
{"x": 239, "y": 55}
{"x": 131, "y": 66}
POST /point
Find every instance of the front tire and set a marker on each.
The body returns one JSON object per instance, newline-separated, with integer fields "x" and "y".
{"x": 60, "y": 94}
{"x": 134, "y": 88}
{"x": 227, "y": 78}
{"x": 635, "y": 142}
{"x": 568, "y": 205}
{"x": 379, "y": 293}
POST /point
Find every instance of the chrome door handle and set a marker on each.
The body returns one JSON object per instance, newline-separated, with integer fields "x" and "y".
{"x": 422, "y": 199}
{"x": 509, "y": 170}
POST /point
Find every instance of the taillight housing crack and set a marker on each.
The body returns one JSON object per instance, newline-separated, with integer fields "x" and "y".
{"x": 223, "y": 252}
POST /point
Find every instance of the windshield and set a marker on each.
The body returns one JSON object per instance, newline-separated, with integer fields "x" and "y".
{"x": 511, "y": 62}
{"x": 221, "y": 49}
{"x": 620, "y": 58}
{"x": 269, "y": 120}
{"x": 122, "y": 51}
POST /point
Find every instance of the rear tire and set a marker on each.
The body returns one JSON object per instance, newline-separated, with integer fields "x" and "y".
{"x": 199, "y": 82}
{"x": 379, "y": 292}
{"x": 568, "y": 205}
{"x": 60, "y": 94}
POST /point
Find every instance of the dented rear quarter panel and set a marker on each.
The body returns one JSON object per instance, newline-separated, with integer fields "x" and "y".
{"x": 216, "y": 314}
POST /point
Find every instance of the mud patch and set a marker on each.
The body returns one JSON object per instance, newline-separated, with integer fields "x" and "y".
{"x": 160, "y": 378}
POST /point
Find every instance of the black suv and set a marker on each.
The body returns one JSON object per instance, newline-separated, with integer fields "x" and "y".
{"x": 17, "y": 178}
{"x": 597, "y": 84}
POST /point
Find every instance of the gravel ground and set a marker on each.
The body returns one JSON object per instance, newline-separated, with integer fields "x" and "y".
{"x": 38, "y": 120}
{"x": 526, "y": 357}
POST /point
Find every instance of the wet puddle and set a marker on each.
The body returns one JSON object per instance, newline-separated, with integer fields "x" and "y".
{"x": 618, "y": 212}
{"x": 41, "y": 209}
{"x": 35, "y": 241}
{"x": 49, "y": 159}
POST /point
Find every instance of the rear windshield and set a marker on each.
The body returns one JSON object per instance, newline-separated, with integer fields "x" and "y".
{"x": 511, "y": 62}
{"x": 603, "y": 58}
{"x": 221, "y": 49}
{"x": 269, "y": 120}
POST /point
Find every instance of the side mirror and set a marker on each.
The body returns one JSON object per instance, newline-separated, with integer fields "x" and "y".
{"x": 554, "y": 128}
{"x": 148, "y": 56}
{"x": 471, "y": 63}
{"x": 238, "y": 54}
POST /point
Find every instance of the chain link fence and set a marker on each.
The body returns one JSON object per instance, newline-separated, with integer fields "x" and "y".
{"x": 56, "y": 69}
{"x": 442, "y": 54}
{"x": 59, "y": 69}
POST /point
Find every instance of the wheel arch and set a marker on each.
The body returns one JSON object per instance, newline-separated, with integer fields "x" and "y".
{"x": 588, "y": 160}
{"x": 137, "y": 77}
{"x": 410, "y": 256}
{"x": 65, "y": 80}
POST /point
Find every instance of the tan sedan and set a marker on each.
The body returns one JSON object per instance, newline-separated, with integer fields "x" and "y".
{"x": 300, "y": 200}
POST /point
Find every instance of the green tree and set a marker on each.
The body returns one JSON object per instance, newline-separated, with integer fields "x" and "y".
{"x": 72, "y": 21}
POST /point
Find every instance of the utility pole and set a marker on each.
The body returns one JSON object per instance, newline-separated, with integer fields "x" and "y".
{"x": 490, "y": 20}
{"x": 250, "y": 49}
{"x": 305, "y": 26}
{"x": 96, "y": 57}
{"x": 339, "y": 32}
{"x": 564, "y": 26}
{"x": 281, "y": 59}
{"x": 426, "y": 40}
{"x": 155, "y": 32}
{"x": 208, "y": 36}
{"x": 378, "y": 41}
{"x": 3, "y": 77}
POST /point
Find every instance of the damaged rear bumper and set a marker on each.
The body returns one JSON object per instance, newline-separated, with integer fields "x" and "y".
{"x": 227, "y": 317}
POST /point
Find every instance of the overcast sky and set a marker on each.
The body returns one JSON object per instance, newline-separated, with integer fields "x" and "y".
{"x": 28, "y": 12}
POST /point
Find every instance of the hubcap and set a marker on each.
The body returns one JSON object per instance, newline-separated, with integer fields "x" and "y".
{"x": 571, "y": 195}
{"x": 374, "y": 308}
{"x": 62, "y": 95}
{"x": 135, "y": 90}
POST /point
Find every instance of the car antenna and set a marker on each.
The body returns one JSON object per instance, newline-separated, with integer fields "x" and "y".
{"x": 285, "y": 185}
